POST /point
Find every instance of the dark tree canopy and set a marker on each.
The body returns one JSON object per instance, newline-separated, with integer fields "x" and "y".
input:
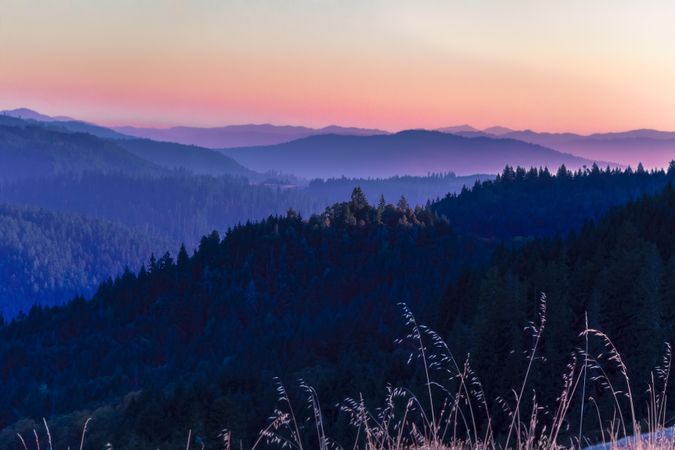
{"x": 533, "y": 202}
{"x": 193, "y": 341}
{"x": 284, "y": 297}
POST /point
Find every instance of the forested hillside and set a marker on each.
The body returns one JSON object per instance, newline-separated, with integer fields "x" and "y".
{"x": 619, "y": 274}
{"x": 197, "y": 160}
{"x": 203, "y": 336}
{"x": 29, "y": 151}
{"x": 534, "y": 202}
{"x": 194, "y": 342}
{"x": 178, "y": 207}
{"x": 182, "y": 207}
{"x": 49, "y": 257}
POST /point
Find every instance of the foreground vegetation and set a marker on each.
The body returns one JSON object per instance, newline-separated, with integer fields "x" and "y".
{"x": 452, "y": 413}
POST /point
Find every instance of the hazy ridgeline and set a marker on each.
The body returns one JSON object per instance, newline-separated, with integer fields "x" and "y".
{"x": 417, "y": 190}
{"x": 654, "y": 148}
{"x": 161, "y": 212}
{"x": 412, "y": 152}
{"x": 183, "y": 207}
{"x": 159, "y": 194}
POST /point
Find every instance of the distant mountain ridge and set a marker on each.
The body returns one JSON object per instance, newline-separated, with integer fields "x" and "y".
{"x": 198, "y": 160}
{"x": 458, "y": 129}
{"x": 653, "y": 148}
{"x": 31, "y": 151}
{"x": 23, "y": 116}
{"x": 31, "y": 148}
{"x": 26, "y": 113}
{"x": 240, "y": 135}
{"x": 650, "y": 147}
{"x": 413, "y": 152}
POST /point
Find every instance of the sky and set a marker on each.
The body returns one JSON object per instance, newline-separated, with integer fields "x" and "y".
{"x": 570, "y": 65}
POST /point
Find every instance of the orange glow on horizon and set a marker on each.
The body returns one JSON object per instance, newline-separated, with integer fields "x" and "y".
{"x": 566, "y": 66}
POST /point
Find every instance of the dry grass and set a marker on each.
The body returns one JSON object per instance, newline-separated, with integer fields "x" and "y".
{"x": 456, "y": 415}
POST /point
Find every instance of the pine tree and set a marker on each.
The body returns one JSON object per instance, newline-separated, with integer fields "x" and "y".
{"x": 152, "y": 265}
{"x": 182, "y": 259}
{"x": 403, "y": 204}
{"x": 562, "y": 172}
{"x": 508, "y": 175}
{"x": 381, "y": 205}
{"x": 358, "y": 200}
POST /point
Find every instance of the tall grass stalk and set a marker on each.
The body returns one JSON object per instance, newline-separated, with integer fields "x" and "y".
{"x": 583, "y": 385}
{"x": 538, "y": 330}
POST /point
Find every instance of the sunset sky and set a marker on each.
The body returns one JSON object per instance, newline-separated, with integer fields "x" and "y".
{"x": 566, "y": 65}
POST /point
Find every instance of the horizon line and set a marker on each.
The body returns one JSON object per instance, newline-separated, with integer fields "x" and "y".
{"x": 165, "y": 126}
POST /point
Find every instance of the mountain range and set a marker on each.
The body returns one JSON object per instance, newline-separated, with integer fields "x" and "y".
{"x": 239, "y": 135}
{"x": 30, "y": 151}
{"x": 29, "y": 114}
{"x": 413, "y": 152}
{"x": 358, "y": 155}
{"x": 652, "y": 148}
{"x": 31, "y": 148}
{"x": 22, "y": 116}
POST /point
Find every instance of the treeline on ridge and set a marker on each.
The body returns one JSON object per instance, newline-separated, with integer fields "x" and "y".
{"x": 523, "y": 203}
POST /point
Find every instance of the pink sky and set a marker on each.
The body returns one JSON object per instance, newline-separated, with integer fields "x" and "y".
{"x": 573, "y": 65}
